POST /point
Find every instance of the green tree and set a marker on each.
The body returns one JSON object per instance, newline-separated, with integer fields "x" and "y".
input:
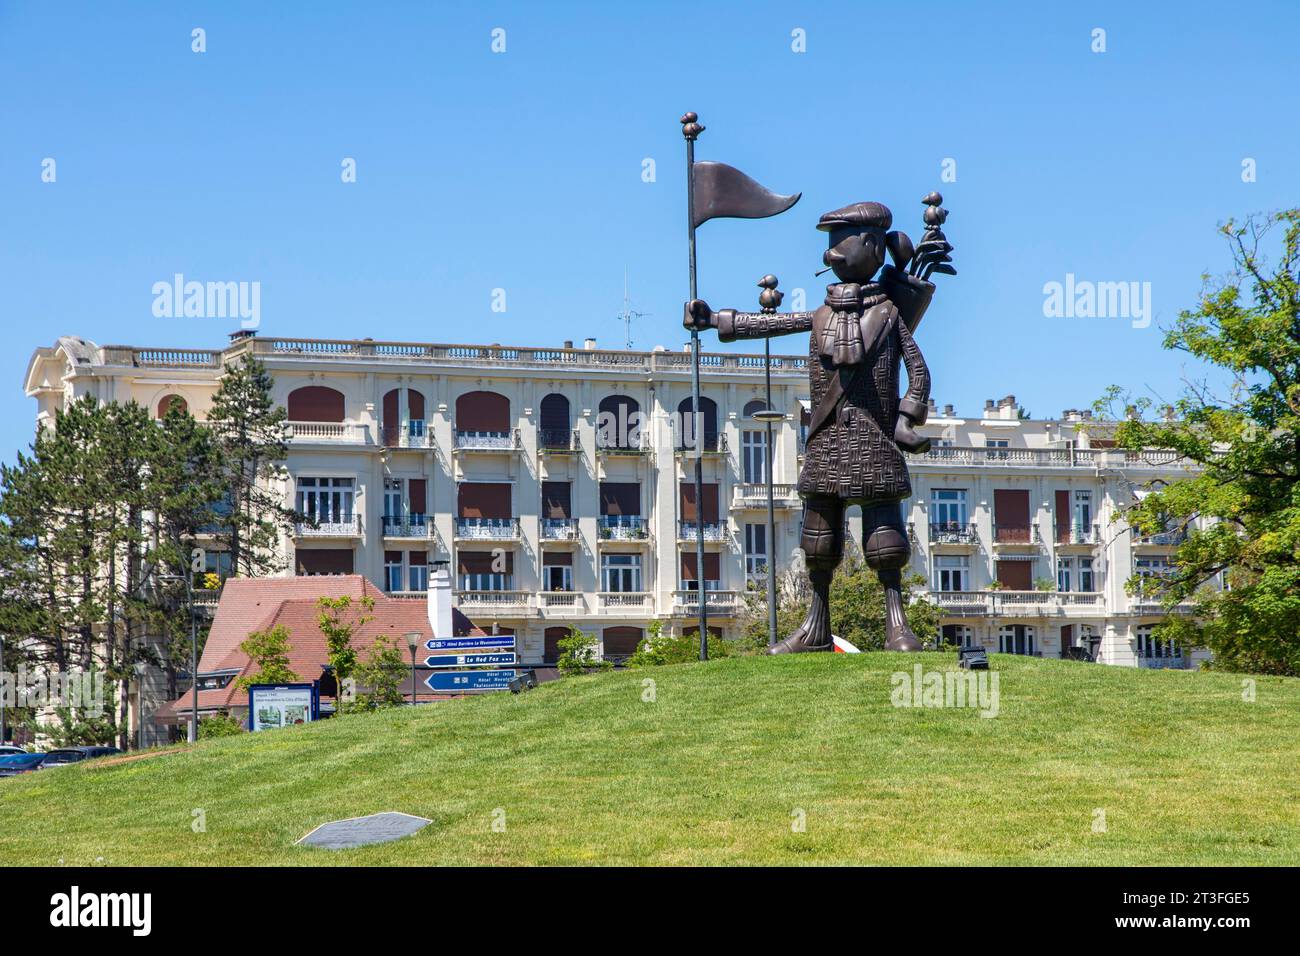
{"x": 379, "y": 676}
{"x": 657, "y": 649}
{"x": 339, "y": 620}
{"x": 252, "y": 443}
{"x": 579, "y": 653}
{"x": 1240, "y": 510}
{"x": 269, "y": 652}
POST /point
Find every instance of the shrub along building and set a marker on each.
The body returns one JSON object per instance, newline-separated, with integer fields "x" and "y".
{"x": 558, "y": 483}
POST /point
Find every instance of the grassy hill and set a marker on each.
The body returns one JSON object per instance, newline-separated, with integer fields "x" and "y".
{"x": 714, "y": 770}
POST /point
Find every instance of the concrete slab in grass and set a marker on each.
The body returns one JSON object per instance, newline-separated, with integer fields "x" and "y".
{"x": 363, "y": 831}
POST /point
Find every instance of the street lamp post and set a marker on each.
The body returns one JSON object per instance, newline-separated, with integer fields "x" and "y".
{"x": 413, "y": 642}
{"x": 141, "y": 668}
{"x": 3, "y": 735}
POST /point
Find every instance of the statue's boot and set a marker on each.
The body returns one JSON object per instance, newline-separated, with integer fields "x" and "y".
{"x": 814, "y": 634}
{"x": 898, "y": 636}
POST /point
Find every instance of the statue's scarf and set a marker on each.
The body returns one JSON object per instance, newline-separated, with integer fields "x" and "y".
{"x": 841, "y": 342}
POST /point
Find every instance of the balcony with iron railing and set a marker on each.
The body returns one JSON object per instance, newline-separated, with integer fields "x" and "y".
{"x": 953, "y": 532}
{"x": 559, "y": 529}
{"x": 408, "y": 526}
{"x": 1077, "y": 533}
{"x": 487, "y": 529}
{"x": 622, "y": 528}
{"x": 754, "y": 495}
{"x": 558, "y": 441}
{"x": 343, "y": 526}
{"x": 1024, "y": 535}
{"x": 409, "y": 434}
{"x": 498, "y": 602}
{"x": 636, "y": 444}
{"x": 488, "y": 441}
{"x": 327, "y": 433}
{"x": 1162, "y": 539}
{"x": 688, "y": 447}
{"x": 714, "y": 531}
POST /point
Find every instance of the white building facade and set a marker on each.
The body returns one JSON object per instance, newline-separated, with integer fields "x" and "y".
{"x": 558, "y": 483}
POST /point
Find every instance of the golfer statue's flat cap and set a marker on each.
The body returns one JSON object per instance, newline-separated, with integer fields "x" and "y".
{"x": 871, "y": 214}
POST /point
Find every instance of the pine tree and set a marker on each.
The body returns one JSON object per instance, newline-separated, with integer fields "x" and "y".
{"x": 253, "y": 445}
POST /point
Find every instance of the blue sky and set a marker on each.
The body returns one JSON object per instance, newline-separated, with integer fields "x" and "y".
{"x": 522, "y": 170}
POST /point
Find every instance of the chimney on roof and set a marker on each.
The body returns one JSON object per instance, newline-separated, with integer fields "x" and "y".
{"x": 242, "y": 334}
{"x": 988, "y": 405}
{"x": 589, "y": 344}
{"x": 568, "y": 343}
{"x": 440, "y": 600}
{"x": 1167, "y": 413}
{"x": 948, "y": 411}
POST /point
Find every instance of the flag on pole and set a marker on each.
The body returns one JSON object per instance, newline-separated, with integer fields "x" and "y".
{"x": 724, "y": 192}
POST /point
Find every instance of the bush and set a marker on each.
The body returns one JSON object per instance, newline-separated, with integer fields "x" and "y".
{"x": 220, "y": 725}
{"x": 658, "y": 649}
{"x": 578, "y": 653}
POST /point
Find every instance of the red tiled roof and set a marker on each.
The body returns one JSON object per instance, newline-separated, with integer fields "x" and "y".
{"x": 258, "y": 604}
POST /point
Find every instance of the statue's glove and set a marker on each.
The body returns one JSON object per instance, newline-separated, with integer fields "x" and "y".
{"x": 697, "y": 316}
{"x": 910, "y": 414}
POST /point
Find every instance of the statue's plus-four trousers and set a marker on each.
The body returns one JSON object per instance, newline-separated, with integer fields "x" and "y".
{"x": 860, "y": 427}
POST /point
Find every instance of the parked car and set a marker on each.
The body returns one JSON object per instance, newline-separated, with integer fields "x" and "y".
{"x": 77, "y": 754}
{"x": 8, "y": 750}
{"x": 14, "y": 764}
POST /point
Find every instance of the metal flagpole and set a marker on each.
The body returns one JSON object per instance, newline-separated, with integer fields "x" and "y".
{"x": 771, "y": 508}
{"x": 691, "y": 129}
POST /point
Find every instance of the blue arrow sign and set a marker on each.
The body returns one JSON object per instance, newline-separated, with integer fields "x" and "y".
{"x": 499, "y": 641}
{"x": 471, "y": 660}
{"x": 470, "y": 680}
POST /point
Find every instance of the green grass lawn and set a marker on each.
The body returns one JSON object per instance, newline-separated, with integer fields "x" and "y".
{"x": 716, "y": 769}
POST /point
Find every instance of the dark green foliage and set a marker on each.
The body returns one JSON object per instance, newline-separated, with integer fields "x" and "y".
{"x": 1241, "y": 511}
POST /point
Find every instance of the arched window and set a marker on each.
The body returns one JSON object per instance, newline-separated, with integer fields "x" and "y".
{"x": 754, "y": 407}
{"x": 618, "y": 424}
{"x": 315, "y": 403}
{"x": 169, "y": 402}
{"x": 556, "y": 429}
{"x": 621, "y": 641}
{"x": 686, "y": 423}
{"x": 480, "y": 412}
{"x": 394, "y": 421}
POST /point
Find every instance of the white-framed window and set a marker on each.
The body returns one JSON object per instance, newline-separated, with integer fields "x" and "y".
{"x": 1149, "y": 568}
{"x": 393, "y": 572}
{"x": 958, "y": 635}
{"x": 1017, "y": 639}
{"x": 393, "y": 506}
{"x": 326, "y": 500}
{"x": 1082, "y": 514}
{"x": 1075, "y": 574}
{"x": 948, "y": 508}
{"x": 485, "y": 581}
{"x": 620, "y": 572}
{"x": 754, "y": 456}
{"x": 755, "y": 551}
{"x": 951, "y": 572}
{"x": 418, "y": 577}
{"x": 557, "y": 577}
{"x": 1152, "y": 648}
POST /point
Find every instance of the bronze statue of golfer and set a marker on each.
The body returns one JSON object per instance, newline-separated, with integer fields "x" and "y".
{"x": 860, "y": 427}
